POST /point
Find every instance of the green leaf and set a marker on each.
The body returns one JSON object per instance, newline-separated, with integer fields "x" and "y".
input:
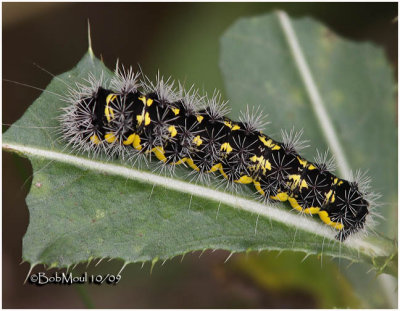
{"x": 342, "y": 93}
{"x": 83, "y": 208}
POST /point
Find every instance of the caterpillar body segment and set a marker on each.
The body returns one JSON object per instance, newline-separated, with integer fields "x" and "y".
{"x": 135, "y": 117}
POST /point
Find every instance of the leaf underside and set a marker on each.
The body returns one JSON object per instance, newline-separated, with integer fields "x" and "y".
{"x": 79, "y": 213}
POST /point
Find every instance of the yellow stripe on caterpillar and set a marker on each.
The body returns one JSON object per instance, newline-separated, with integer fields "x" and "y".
{"x": 159, "y": 153}
{"x": 146, "y": 118}
{"x": 108, "y": 111}
{"x": 228, "y": 124}
{"x": 232, "y": 127}
{"x": 143, "y": 99}
{"x": 221, "y": 170}
{"x": 146, "y": 101}
{"x": 129, "y": 140}
{"x": 311, "y": 210}
{"x": 139, "y": 118}
{"x": 302, "y": 162}
{"x": 269, "y": 143}
{"x": 181, "y": 161}
{"x": 281, "y": 196}
{"x": 296, "y": 182}
{"x": 95, "y": 139}
{"x": 197, "y": 140}
{"x": 330, "y": 197}
{"x": 244, "y": 180}
{"x": 263, "y": 163}
{"x": 149, "y": 102}
{"x": 175, "y": 111}
{"x": 135, "y": 140}
{"x": 293, "y": 202}
{"x": 172, "y": 130}
{"x": 215, "y": 167}
{"x": 311, "y": 167}
{"x": 326, "y": 219}
{"x": 110, "y": 137}
{"x": 218, "y": 167}
{"x": 257, "y": 185}
{"x": 110, "y": 98}
{"x": 226, "y": 147}
{"x": 190, "y": 162}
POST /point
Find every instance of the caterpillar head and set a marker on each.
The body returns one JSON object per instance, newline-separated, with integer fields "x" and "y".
{"x": 83, "y": 122}
{"x": 350, "y": 208}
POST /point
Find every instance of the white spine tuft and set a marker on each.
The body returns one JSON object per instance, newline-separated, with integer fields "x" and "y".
{"x": 191, "y": 99}
{"x": 292, "y": 140}
{"x": 253, "y": 119}
{"x": 325, "y": 162}
{"x": 216, "y": 107}
{"x": 125, "y": 80}
{"x": 164, "y": 89}
{"x": 361, "y": 179}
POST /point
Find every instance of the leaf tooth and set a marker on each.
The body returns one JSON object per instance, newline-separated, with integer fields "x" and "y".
{"x": 30, "y": 270}
{"x": 153, "y": 263}
{"x": 53, "y": 265}
{"x": 89, "y": 261}
{"x": 230, "y": 255}
{"x": 202, "y": 252}
{"x": 183, "y": 256}
{"x": 100, "y": 260}
{"x": 123, "y": 267}
{"x": 306, "y": 256}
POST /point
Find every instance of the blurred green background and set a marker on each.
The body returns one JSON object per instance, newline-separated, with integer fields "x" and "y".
{"x": 181, "y": 40}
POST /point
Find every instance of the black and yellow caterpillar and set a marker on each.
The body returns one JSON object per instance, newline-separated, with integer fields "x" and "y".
{"x": 142, "y": 118}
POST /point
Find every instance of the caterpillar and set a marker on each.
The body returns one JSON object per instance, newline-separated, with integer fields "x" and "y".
{"x": 134, "y": 118}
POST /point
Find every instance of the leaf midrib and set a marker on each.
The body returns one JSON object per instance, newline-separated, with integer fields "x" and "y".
{"x": 268, "y": 211}
{"x": 313, "y": 93}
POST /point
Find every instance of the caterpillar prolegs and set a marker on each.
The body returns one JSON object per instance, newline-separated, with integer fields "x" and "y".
{"x": 135, "y": 117}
